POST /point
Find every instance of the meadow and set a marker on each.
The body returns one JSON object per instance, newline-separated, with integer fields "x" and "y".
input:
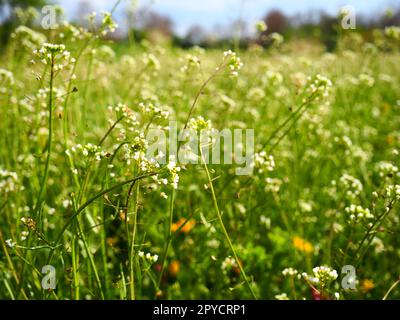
{"x": 317, "y": 217}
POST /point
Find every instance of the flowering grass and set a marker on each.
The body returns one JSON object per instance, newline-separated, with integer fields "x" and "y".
{"x": 79, "y": 192}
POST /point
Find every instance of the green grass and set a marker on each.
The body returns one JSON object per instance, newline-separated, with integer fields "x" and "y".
{"x": 95, "y": 213}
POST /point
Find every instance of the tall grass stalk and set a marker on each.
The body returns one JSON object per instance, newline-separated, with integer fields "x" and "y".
{"x": 222, "y": 225}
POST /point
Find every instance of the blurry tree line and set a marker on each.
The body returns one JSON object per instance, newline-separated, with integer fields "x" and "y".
{"x": 319, "y": 26}
{"x": 144, "y": 23}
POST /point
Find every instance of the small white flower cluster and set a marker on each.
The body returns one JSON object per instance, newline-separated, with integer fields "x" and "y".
{"x": 213, "y": 243}
{"x": 379, "y": 245}
{"x": 272, "y": 78}
{"x": 322, "y": 276}
{"x": 387, "y": 169}
{"x": 192, "y": 63}
{"x": 393, "y": 32}
{"x": 352, "y": 185}
{"x": 10, "y": 243}
{"x": 43, "y": 93}
{"x": 358, "y": 213}
{"x": 305, "y": 206}
{"x": 319, "y": 86}
{"x": 29, "y": 222}
{"x": 344, "y": 141}
{"x": 163, "y": 195}
{"x": 136, "y": 153}
{"x": 282, "y": 296}
{"x": 393, "y": 191}
{"x": 299, "y": 79}
{"x": 276, "y": 39}
{"x": 233, "y": 62}
{"x": 29, "y": 38}
{"x": 108, "y": 24}
{"x": 56, "y": 54}
{"x": 24, "y": 235}
{"x": 128, "y": 61}
{"x": 151, "y": 61}
{"x": 325, "y": 274}
{"x": 272, "y": 185}
{"x": 199, "y": 130}
{"x": 199, "y": 124}
{"x": 8, "y": 181}
{"x": 74, "y": 33}
{"x": 337, "y": 227}
{"x": 153, "y": 111}
{"x": 173, "y": 172}
{"x": 228, "y": 263}
{"x": 261, "y": 26}
{"x": 104, "y": 53}
{"x": 91, "y": 17}
{"x": 87, "y": 150}
{"x": 256, "y": 94}
{"x": 6, "y": 79}
{"x": 265, "y": 221}
{"x": 130, "y": 118}
{"x": 263, "y": 162}
{"x": 66, "y": 203}
{"x": 366, "y": 80}
{"x": 26, "y": 15}
{"x": 148, "y": 256}
{"x": 290, "y": 272}
{"x": 145, "y": 165}
{"x": 228, "y": 102}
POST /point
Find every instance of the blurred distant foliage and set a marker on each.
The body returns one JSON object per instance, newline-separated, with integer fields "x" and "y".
{"x": 142, "y": 23}
{"x": 314, "y": 25}
{"x": 8, "y": 18}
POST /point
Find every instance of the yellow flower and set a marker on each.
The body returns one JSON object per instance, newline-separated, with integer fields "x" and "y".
{"x": 367, "y": 285}
{"x": 302, "y": 245}
{"x": 186, "y": 228}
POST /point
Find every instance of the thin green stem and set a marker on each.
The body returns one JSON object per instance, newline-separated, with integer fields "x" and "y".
{"x": 75, "y": 272}
{"x": 43, "y": 183}
{"x": 222, "y": 225}
{"x": 132, "y": 251}
{"x": 391, "y": 289}
{"x": 377, "y": 223}
{"x": 169, "y": 236}
{"x": 91, "y": 260}
{"x": 50, "y": 141}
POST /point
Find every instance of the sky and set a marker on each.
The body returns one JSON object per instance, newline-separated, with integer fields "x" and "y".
{"x": 209, "y": 13}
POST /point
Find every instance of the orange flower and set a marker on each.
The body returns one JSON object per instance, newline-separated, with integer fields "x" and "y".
{"x": 367, "y": 285}
{"x": 303, "y": 245}
{"x": 111, "y": 241}
{"x": 174, "y": 268}
{"x": 186, "y": 226}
